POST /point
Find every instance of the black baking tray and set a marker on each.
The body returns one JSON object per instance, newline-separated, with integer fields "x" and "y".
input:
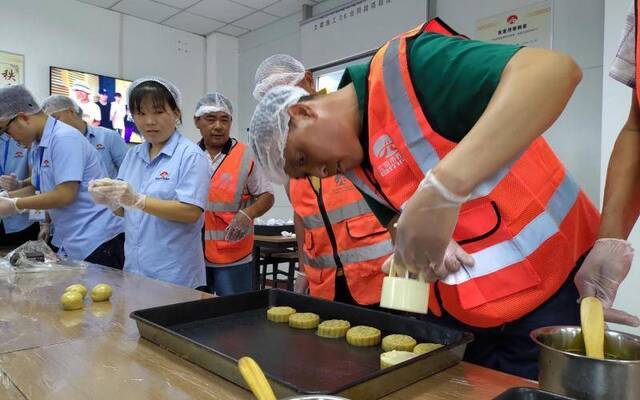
{"x": 527, "y": 393}
{"x": 272, "y": 230}
{"x": 214, "y": 333}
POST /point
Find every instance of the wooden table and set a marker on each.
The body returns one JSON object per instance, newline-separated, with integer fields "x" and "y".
{"x": 96, "y": 353}
{"x": 274, "y": 243}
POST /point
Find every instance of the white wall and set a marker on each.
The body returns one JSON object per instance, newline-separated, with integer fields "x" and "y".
{"x": 79, "y": 36}
{"x": 616, "y": 99}
{"x": 577, "y": 30}
{"x": 222, "y": 74}
{"x": 280, "y": 37}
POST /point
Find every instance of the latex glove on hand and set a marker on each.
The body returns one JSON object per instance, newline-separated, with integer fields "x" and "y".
{"x": 109, "y": 192}
{"x": 43, "y": 234}
{"x": 239, "y": 227}
{"x": 98, "y": 189}
{"x": 8, "y": 207}
{"x": 301, "y": 284}
{"x": 602, "y": 272}
{"x": 425, "y": 227}
{"x": 9, "y": 183}
{"x": 454, "y": 258}
{"x": 4, "y": 193}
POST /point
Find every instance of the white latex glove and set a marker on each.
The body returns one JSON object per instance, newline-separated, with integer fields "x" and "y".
{"x": 4, "y": 193}
{"x": 602, "y": 272}
{"x": 9, "y": 182}
{"x": 239, "y": 227}
{"x": 454, "y": 258}
{"x": 300, "y": 284}
{"x": 117, "y": 192}
{"x": 43, "y": 234}
{"x": 96, "y": 190}
{"x": 425, "y": 227}
{"x": 8, "y": 207}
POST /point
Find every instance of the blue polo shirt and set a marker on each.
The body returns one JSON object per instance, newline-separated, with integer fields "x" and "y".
{"x": 14, "y": 159}
{"x": 62, "y": 155}
{"x": 110, "y": 146}
{"x": 155, "y": 247}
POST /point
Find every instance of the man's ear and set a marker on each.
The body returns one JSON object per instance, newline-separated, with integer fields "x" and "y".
{"x": 302, "y": 111}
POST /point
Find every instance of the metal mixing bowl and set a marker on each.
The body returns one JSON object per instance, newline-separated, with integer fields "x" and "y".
{"x": 566, "y": 370}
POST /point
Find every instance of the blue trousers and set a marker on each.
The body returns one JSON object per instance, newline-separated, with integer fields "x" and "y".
{"x": 230, "y": 280}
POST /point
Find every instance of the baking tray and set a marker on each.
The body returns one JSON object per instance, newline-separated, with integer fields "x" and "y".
{"x": 214, "y": 333}
{"x": 527, "y": 393}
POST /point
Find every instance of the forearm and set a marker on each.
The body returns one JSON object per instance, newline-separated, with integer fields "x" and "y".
{"x": 622, "y": 190}
{"x": 56, "y": 198}
{"x": 172, "y": 210}
{"x": 263, "y": 203}
{"x": 533, "y": 91}
{"x": 24, "y": 192}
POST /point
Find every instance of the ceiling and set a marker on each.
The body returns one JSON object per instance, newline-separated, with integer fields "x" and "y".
{"x": 203, "y": 17}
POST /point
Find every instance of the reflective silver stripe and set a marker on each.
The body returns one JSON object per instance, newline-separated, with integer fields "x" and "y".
{"x": 359, "y": 254}
{"x": 243, "y": 175}
{"x": 360, "y": 184}
{"x": 214, "y": 235}
{"x": 421, "y": 150}
{"x": 532, "y": 236}
{"x": 352, "y": 210}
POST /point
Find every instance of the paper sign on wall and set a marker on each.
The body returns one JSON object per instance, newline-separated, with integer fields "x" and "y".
{"x": 11, "y": 69}
{"x": 527, "y": 26}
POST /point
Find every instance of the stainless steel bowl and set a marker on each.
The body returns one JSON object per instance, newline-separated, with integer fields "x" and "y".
{"x": 315, "y": 397}
{"x": 566, "y": 370}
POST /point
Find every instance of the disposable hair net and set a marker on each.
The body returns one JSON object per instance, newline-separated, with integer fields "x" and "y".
{"x": 58, "y": 102}
{"x": 173, "y": 89}
{"x": 213, "y": 102}
{"x": 279, "y": 69}
{"x": 16, "y": 99}
{"x": 269, "y": 129}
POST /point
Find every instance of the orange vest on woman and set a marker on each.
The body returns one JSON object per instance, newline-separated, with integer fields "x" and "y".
{"x": 526, "y": 226}
{"x": 340, "y": 232}
{"x": 227, "y": 195}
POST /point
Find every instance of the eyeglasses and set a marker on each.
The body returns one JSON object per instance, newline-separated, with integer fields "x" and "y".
{"x": 6, "y": 127}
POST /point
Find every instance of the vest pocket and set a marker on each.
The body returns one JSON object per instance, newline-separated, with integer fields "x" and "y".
{"x": 501, "y": 265}
{"x": 364, "y": 226}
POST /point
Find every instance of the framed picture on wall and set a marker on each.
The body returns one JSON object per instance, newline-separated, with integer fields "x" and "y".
{"x": 11, "y": 69}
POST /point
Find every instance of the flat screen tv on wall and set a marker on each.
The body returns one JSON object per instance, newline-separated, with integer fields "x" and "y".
{"x": 102, "y": 99}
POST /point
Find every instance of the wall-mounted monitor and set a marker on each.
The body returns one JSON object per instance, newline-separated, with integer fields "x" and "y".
{"x": 102, "y": 99}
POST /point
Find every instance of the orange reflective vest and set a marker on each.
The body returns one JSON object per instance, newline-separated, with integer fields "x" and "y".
{"x": 227, "y": 195}
{"x": 526, "y": 226}
{"x": 340, "y": 231}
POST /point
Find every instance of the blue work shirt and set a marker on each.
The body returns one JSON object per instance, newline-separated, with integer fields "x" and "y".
{"x": 110, "y": 146}
{"x": 155, "y": 247}
{"x": 63, "y": 155}
{"x": 14, "y": 159}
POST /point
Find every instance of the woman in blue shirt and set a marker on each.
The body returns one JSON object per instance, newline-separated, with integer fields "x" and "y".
{"x": 161, "y": 190}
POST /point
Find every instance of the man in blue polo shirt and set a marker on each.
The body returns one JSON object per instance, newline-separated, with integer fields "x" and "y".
{"x": 63, "y": 163}
{"x": 14, "y": 160}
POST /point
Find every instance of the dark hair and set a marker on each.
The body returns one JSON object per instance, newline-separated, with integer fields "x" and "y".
{"x": 116, "y": 94}
{"x": 158, "y": 94}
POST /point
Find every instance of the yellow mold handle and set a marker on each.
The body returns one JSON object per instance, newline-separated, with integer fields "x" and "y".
{"x": 253, "y": 375}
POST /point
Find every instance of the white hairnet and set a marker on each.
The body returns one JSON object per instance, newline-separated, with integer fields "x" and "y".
{"x": 213, "y": 102}
{"x": 81, "y": 86}
{"x": 58, "y": 102}
{"x": 173, "y": 89}
{"x": 279, "y": 69}
{"x": 16, "y": 99}
{"x": 269, "y": 129}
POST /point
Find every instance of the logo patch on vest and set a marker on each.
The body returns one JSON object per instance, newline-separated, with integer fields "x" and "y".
{"x": 19, "y": 154}
{"x": 100, "y": 146}
{"x": 389, "y": 158}
{"x": 163, "y": 176}
{"x": 45, "y": 164}
{"x": 224, "y": 180}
